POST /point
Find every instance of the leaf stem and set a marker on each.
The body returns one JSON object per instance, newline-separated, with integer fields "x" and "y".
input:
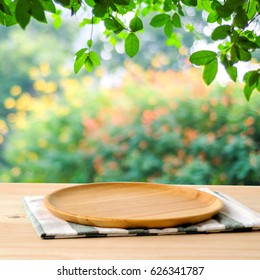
{"x": 91, "y": 31}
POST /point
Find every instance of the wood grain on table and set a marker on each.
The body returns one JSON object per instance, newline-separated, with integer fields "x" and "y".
{"x": 18, "y": 239}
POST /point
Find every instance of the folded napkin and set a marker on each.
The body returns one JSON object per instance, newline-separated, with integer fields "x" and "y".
{"x": 234, "y": 216}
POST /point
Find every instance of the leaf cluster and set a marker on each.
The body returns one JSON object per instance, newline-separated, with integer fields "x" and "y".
{"x": 235, "y": 24}
{"x": 86, "y": 57}
{"x": 236, "y": 29}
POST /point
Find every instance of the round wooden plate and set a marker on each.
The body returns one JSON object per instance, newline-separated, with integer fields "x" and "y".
{"x": 132, "y": 205}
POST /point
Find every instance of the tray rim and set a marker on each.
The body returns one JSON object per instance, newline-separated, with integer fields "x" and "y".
{"x": 70, "y": 217}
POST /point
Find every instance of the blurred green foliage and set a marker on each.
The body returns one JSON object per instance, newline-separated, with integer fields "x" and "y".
{"x": 20, "y": 52}
{"x": 158, "y": 126}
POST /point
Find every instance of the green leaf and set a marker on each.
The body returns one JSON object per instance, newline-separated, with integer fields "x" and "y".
{"x": 85, "y": 21}
{"x": 212, "y": 17}
{"x": 90, "y": 43}
{"x": 202, "y": 57}
{"x": 190, "y": 27}
{"x": 173, "y": 41}
{"x": 146, "y": 11}
{"x": 159, "y": 20}
{"x": 116, "y": 8}
{"x": 100, "y": 10}
{"x": 232, "y": 72}
{"x": 192, "y": 3}
{"x": 2, "y": 8}
{"x": 233, "y": 4}
{"x": 131, "y": 45}
{"x": 8, "y": 20}
{"x": 168, "y": 28}
{"x": 243, "y": 55}
{"x": 22, "y": 13}
{"x": 37, "y": 11}
{"x": 2, "y": 18}
{"x": 176, "y": 20}
{"x": 8, "y": 15}
{"x": 234, "y": 54}
{"x": 80, "y": 52}
{"x": 122, "y": 2}
{"x": 136, "y": 24}
{"x": 57, "y": 20}
{"x": 5, "y": 8}
{"x": 210, "y": 71}
{"x": 168, "y": 5}
{"x": 244, "y": 43}
{"x": 220, "y": 32}
{"x": 48, "y": 5}
{"x": 93, "y": 20}
{"x": 90, "y": 3}
{"x": 241, "y": 19}
{"x": 215, "y": 4}
{"x": 79, "y": 61}
{"x": 75, "y": 6}
{"x": 224, "y": 12}
{"x": 94, "y": 58}
{"x": 252, "y": 9}
{"x": 113, "y": 40}
{"x": 88, "y": 64}
{"x": 113, "y": 25}
{"x": 234, "y": 36}
{"x": 251, "y": 79}
{"x": 204, "y": 5}
{"x": 257, "y": 41}
{"x": 180, "y": 10}
{"x": 247, "y": 92}
{"x": 229, "y": 7}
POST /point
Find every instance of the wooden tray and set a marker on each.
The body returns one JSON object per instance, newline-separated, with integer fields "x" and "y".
{"x": 132, "y": 205}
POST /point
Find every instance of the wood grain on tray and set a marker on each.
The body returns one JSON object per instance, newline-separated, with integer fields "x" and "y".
{"x": 132, "y": 205}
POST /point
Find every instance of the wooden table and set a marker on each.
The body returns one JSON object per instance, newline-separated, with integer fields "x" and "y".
{"x": 18, "y": 239}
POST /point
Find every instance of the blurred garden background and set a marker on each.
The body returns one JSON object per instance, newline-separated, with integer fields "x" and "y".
{"x": 147, "y": 119}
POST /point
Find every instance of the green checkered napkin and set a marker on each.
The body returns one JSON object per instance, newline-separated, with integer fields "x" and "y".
{"x": 233, "y": 217}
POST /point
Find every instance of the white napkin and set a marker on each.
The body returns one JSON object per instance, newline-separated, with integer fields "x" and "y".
{"x": 234, "y": 216}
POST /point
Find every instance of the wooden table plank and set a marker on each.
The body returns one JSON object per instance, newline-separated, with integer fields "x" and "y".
{"x": 18, "y": 239}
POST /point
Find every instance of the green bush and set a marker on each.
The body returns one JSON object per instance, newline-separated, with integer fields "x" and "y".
{"x": 156, "y": 126}
{"x": 186, "y": 145}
